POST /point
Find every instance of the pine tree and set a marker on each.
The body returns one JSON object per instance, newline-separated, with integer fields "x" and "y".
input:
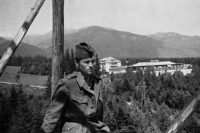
{"x": 126, "y": 86}
{"x": 117, "y": 85}
{"x": 13, "y": 99}
{"x": 17, "y": 77}
{"x": 97, "y": 67}
{"x": 1, "y": 116}
{"x": 37, "y": 116}
{"x": 5, "y": 114}
{"x": 72, "y": 63}
{"x": 67, "y": 63}
{"x": 163, "y": 117}
{"x": 48, "y": 89}
{"x": 23, "y": 116}
{"x": 112, "y": 77}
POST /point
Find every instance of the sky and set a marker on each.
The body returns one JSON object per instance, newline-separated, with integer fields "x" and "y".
{"x": 141, "y": 17}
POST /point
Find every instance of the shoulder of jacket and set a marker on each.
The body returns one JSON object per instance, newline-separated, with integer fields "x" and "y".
{"x": 72, "y": 75}
{"x": 97, "y": 77}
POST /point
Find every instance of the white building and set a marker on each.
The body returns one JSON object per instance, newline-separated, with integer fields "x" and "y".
{"x": 162, "y": 67}
{"x": 109, "y": 63}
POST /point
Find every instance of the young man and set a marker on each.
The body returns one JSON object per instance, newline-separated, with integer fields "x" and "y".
{"x": 77, "y": 105}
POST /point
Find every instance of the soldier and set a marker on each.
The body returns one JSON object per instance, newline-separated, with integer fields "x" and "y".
{"x": 77, "y": 105}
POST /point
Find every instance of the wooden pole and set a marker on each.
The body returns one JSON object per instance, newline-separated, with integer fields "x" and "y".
{"x": 185, "y": 114}
{"x": 57, "y": 42}
{"x": 144, "y": 93}
{"x": 143, "y": 86}
{"x": 20, "y": 35}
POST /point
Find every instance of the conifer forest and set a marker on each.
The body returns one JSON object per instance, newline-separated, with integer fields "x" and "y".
{"x": 127, "y": 109}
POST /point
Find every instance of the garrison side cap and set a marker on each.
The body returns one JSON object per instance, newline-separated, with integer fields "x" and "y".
{"x": 84, "y": 51}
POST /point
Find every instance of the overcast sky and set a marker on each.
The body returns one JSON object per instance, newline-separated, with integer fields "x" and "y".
{"x": 136, "y": 16}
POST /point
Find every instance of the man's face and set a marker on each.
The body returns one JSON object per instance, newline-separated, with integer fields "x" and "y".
{"x": 87, "y": 65}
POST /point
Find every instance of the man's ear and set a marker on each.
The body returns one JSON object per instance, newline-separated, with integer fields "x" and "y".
{"x": 76, "y": 63}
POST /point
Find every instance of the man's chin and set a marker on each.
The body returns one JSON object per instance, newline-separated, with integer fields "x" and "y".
{"x": 90, "y": 72}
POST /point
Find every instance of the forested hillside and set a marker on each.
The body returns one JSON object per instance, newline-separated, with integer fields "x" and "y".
{"x": 24, "y": 49}
{"x": 41, "y": 65}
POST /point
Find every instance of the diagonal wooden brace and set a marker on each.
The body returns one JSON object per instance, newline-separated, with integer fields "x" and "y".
{"x": 20, "y": 35}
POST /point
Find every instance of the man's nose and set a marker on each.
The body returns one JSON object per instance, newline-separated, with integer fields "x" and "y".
{"x": 91, "y": 64}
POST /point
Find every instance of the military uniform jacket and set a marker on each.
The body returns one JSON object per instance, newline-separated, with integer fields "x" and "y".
{"x": 76, "y": 108}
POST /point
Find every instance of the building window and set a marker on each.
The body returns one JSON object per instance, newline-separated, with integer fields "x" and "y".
{"x": 113, "y": 63}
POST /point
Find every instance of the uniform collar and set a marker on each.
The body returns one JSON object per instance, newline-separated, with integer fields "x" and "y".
{"x": 82, "y": 83}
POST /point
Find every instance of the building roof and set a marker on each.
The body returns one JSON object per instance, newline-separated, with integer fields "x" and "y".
{"x": 159, "y": 63}
{"x": 109, "y": 59}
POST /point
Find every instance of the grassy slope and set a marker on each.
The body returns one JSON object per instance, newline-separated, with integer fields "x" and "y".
{"x": 10, "y": 73}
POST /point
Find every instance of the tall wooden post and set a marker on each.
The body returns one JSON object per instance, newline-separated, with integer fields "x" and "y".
{"x": 57, "y": 42}
{"x": 143, "y": 93}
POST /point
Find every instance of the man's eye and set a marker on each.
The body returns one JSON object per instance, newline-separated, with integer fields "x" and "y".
{"x": 92, "y": 61}
{"x": 87, "y": 62}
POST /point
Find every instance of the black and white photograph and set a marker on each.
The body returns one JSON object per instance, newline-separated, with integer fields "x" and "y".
{"x": 99, "y": 66}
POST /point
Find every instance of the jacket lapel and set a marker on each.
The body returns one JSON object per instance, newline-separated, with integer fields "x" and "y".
{"x": 96, "y": 90}
{"x": 82, "y": 83}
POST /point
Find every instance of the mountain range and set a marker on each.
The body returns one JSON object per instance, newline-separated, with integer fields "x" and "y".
{"x": 118, "y": 44}
{"x": 23, "y": 49}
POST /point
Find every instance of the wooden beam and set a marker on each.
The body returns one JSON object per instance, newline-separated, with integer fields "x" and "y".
{"x": 57, "y": 42}
{"x": 185, "y": 114}
{"x": 20, "y": 35}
